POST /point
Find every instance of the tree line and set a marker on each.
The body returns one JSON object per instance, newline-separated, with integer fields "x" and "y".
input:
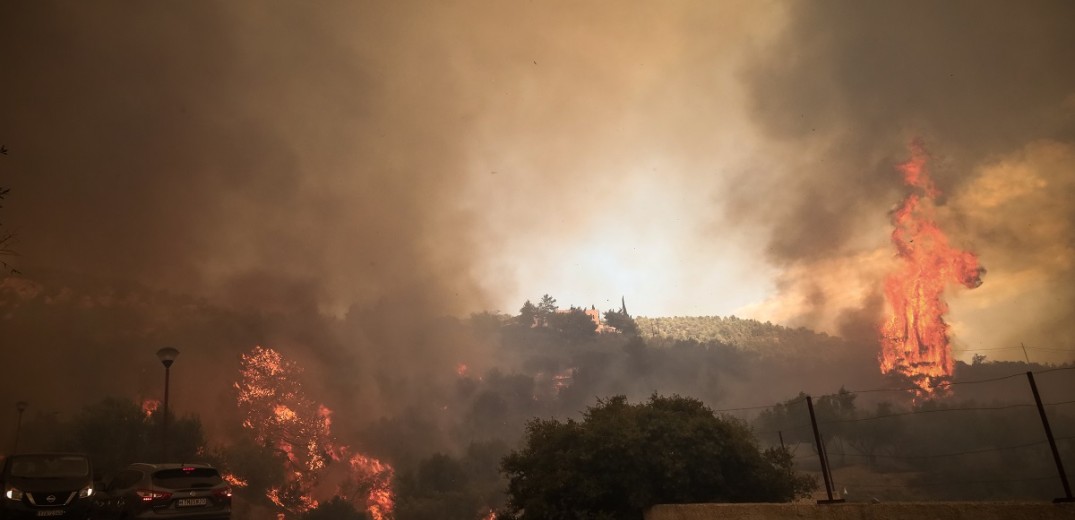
{"x": 448, "y": 447}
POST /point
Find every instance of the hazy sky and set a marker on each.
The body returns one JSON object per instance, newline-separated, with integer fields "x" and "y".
{"x": 697, "y": 158}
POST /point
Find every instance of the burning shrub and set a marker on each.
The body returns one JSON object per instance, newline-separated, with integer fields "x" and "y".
{"x": 277, "y": 411}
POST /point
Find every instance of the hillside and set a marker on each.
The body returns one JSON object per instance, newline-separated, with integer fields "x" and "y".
{"x": 746, "y": 334}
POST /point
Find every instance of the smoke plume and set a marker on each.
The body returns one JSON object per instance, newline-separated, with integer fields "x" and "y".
{"x": 847, "y": 85}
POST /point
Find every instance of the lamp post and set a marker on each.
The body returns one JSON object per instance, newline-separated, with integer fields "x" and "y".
{"x": 167, "y": 356}
{"x": 21, "y": 407}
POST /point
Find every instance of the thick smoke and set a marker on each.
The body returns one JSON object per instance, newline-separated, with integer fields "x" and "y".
{"x": 329, "y": 180}
{"x": 255, "y": 154}
{"x": 282, "y": 160}
{"x": 849, "y": 84}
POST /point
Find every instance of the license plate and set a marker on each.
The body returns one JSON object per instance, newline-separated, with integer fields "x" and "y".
{"x": 188, "y": 502}
{"x": 51, "y": 512}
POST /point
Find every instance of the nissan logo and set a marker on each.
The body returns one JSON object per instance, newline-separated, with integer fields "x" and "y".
{"x": 50, "y": 498}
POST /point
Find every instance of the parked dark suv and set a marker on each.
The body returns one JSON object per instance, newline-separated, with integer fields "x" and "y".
{"x": 54, "y": 485}
{"x": 172, "y": 491}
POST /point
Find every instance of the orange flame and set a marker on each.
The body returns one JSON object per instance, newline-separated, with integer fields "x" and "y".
{"x": 233, "y": 480}
{"x": 377, "y": 477}
{"x": 914, "y": 337}
{"x": 275, "y": 407}
{"x": 150, "y": 407}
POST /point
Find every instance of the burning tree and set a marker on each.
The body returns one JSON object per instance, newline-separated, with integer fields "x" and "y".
{"x": 275, "y": 408}
{"x": 914, "y": 337}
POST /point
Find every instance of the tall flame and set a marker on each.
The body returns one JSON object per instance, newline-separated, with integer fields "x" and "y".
{"x": 276, "y": 409}
{"x": 914, "y": 337}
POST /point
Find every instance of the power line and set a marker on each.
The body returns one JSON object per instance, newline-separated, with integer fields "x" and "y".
{"x": 954, "y": 482}
{"x": 787, "y": 403}
{"x": 802, "y": 398}
{"x": 949, "y": 383}
{"x": 1054, "y": 370}
{"x": 955, "y": 454}
{"x": 1054, "y": 349}
{"x": 785, "y": 430}
{"x": 931, "y": 410}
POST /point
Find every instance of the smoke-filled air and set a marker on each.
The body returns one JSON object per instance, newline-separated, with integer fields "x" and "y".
{"x": 383, "y": 236}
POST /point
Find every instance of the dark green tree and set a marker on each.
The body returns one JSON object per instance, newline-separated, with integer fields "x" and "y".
{"x": 871, "y": 437}
{"x": 573, "y": 325}
{"x": 623, "y": 458}
{"x": 443, "y": 487}
{"x": 335, "y": 509}
{"x": 546, "y": 307}
{"x": 439, "y": 489}
{"x": 791, "y": 418}
{"x": 527, "y": 314}
{"x": 486, "y": 324}
{"x": 116, "y": 432}
{"x": 260, "y": 467}
{"x": 622, "y": 321}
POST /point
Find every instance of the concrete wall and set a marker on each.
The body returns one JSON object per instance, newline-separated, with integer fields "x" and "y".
{"x": 863, "y": 511}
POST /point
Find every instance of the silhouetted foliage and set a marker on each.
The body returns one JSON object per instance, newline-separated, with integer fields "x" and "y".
{"x": 487, "y": 324}
{"x": 446, "y": 488}
{"x": 546, "y": 307}
{"x": 972, "y": 442}
{"x": 117, "y": 432}
{"x": 574, "y": 325}
{"x": 437, "y": 489}
{"x": 622, "y": 321}
{"x": 528, "y": 314}
{"x": 335, "y": 509}
{"x": 260, "y": 467}
{"x": 622, "y": 458}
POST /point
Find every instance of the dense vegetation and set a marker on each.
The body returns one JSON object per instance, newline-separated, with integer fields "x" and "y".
{"x": 447, "y": 431}
{"x": 116, "y": 432}
{"x": 970, "y": 447}
{"x": 623, "y": 458}
{"x": 743, "y": 333}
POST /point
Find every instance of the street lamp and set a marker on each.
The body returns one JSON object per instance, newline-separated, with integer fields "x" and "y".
{"x": 21, "y": 407}
{"x": 167, "y": 356}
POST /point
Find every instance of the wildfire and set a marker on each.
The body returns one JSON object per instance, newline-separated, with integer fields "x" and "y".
{"x": 377, "y": 478}
{"x": 150, "y": 407}
{"x": 914, "y": 337}
{"x": 275, "y": 408}
{"x": 234, "y": 481}
{"x": 563, "y": 379}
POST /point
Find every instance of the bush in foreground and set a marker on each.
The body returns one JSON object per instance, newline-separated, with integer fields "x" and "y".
{"x": 623, "y": 458}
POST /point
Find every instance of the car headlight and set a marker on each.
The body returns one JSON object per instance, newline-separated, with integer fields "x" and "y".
{"x": 85, "y": 492}
{"x": 13, "y": 494}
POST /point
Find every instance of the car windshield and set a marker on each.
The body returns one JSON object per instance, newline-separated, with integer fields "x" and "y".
{"x": 185, "y": 478}
{"x": 49, "y": 466}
